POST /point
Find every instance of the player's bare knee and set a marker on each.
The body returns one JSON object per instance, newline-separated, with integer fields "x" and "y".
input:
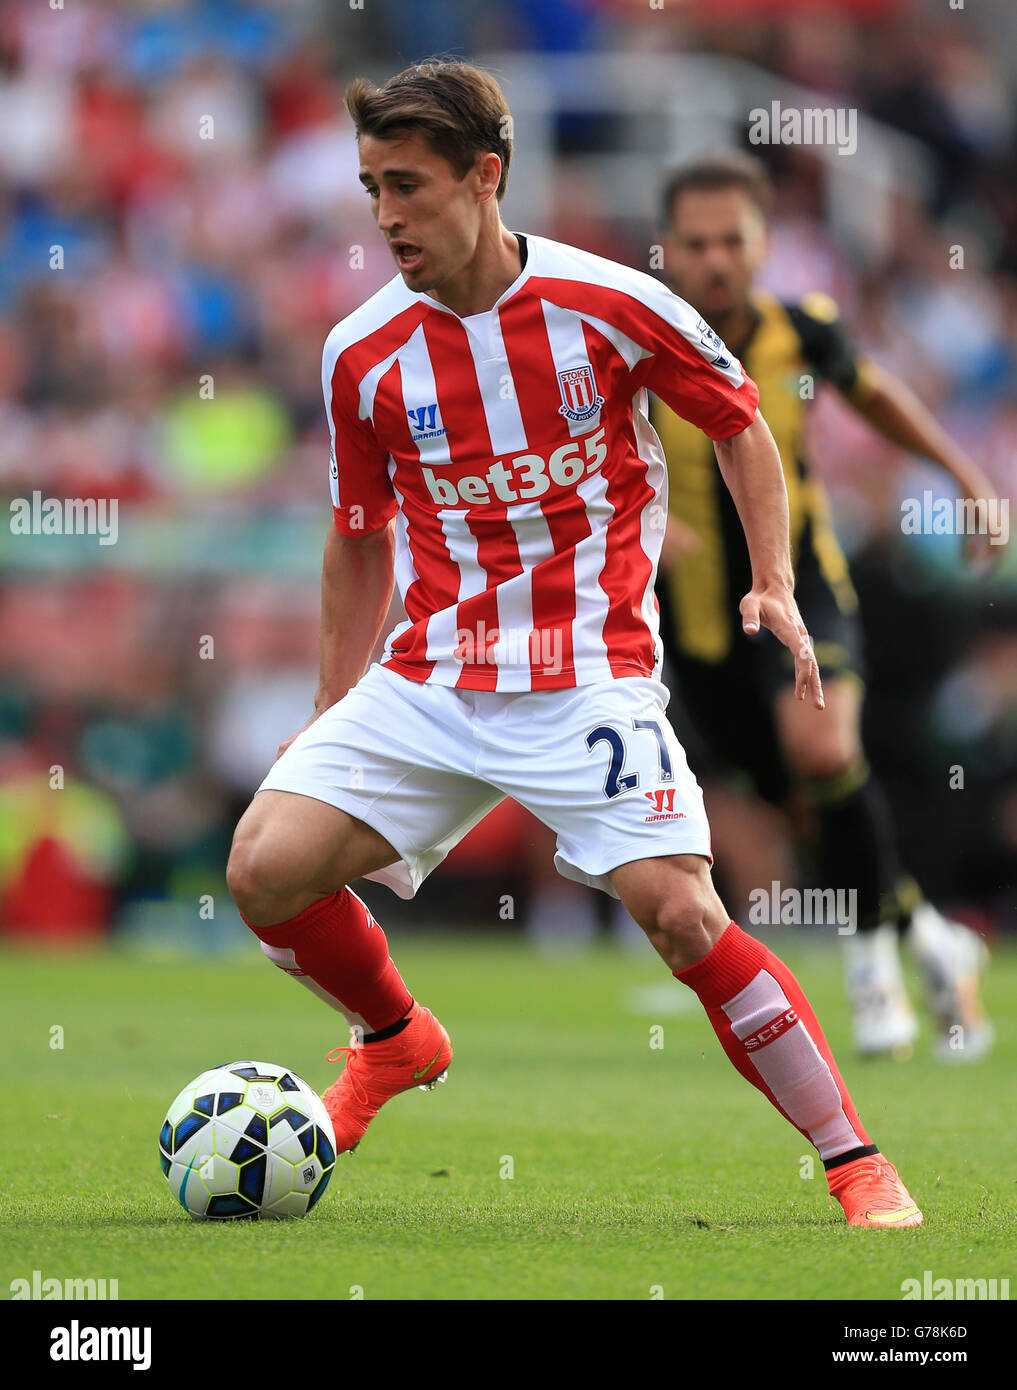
{"x": 686, "y": 923}
{"x": 243, "y": 878}
{"x": 260, "y": 881}
{"x": 681, "y": 915}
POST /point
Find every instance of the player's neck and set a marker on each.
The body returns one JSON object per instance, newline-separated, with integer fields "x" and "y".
{"x": 480, "y": 284}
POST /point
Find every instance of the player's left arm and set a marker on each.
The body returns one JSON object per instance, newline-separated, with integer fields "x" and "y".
{"x": 692, "y": 371}
{"x": 889, "y": 406}
{"x": 751, "y": 468}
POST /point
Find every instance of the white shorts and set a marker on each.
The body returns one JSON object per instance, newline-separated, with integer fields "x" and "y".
{"x": 422, "y": 764}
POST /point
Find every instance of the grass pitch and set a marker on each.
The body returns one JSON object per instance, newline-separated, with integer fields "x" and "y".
{"x": 567, "y": 1158}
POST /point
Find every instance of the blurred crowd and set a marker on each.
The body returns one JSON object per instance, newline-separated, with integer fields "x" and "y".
{"x": 180, "y": 227}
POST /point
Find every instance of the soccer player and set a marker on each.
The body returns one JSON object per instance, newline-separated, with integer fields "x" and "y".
{"x": 739, "y": 688}
{"x": 492, "y": 454}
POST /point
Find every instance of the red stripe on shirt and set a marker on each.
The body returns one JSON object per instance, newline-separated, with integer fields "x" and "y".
{"x": 627, "y": 567}
{"x": 437, "y": 584}
{"x": 524, "y": 333}
{"x": 461, "y": 406}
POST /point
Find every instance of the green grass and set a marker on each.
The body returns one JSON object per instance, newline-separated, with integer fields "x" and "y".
{"x": 633, "y": 1167}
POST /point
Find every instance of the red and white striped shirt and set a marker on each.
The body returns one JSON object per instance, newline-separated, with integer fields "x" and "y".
{"x": 514, "y": 450}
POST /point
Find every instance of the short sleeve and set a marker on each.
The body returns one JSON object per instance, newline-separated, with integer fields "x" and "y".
{"x": 359, "y": 482}
{"x": 692, "y": 371}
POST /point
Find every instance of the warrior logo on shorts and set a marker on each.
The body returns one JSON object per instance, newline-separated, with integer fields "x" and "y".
{"x": 662, "y": 802}
{"x": 580, "y": 400}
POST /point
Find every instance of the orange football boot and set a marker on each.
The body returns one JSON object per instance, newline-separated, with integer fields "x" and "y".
{"x": 418, "y": 1056}
{"x": 872, "y": 1194}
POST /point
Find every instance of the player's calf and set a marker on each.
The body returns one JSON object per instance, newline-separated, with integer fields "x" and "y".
{"x": 288, "y": 869}
{"x": 767, "y": 1028}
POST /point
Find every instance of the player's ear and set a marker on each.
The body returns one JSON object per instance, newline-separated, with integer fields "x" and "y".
{"x": 487, "y": 172}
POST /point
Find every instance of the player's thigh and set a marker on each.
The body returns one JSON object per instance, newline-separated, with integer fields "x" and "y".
{"x": 602, "y": 766}
{"x": 397, "y": 756}
{"x": 286, "y": 842}
{"x": 821, "y": 743}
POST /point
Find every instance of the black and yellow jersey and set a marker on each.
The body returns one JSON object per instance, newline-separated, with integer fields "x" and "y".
{"x": 789, "y": 350}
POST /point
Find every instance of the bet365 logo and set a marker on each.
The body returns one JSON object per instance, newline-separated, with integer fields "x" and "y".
{"x": 522, "y": 478}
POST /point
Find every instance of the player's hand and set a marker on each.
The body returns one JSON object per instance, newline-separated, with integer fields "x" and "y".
{"x": 286, "y": 742}
{"x": 679, "y": 540}
{"x": 776, "y": 609}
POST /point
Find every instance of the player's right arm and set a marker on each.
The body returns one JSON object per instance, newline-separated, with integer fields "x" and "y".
{"x": 356, "y": 589}
{"x": 751, "y": 468}
{"x": 357, "y": 575}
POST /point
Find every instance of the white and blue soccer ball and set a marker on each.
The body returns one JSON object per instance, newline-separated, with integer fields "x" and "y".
{"x": 247, "y": 1140}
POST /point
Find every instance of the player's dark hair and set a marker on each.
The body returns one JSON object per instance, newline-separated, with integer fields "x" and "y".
{"x": 729, "y": 169}
{"x": 458, "y": 107}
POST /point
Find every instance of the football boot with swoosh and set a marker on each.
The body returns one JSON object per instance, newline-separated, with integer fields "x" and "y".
{"x": 419, "y": 1055}
{"x": 872, "y": 1194}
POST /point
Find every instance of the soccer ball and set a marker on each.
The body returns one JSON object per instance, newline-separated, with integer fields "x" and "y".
{"x": 245, "y": 1140}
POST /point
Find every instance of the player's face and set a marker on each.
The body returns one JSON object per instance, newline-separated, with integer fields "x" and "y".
{"x": 430, "y": 219}
{"x": 715, "y": 244}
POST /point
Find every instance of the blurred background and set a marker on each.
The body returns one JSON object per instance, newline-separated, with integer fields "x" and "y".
{"x": 165, "y": 290}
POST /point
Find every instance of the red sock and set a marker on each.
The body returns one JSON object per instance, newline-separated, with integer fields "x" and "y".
{"x": 768, "y": 1030}
{"x": 343, "y": 953}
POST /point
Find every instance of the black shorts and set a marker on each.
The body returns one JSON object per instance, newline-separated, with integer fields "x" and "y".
{"x": 723, "y": 711}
